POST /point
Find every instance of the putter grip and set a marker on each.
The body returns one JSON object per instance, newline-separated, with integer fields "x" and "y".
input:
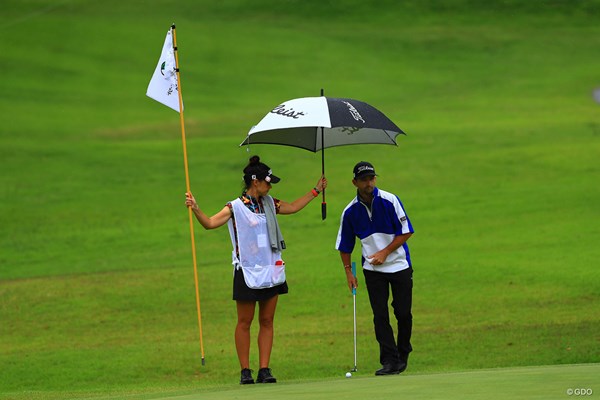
{"x": 323, "y": 210}
{"x": 354, "y": 274}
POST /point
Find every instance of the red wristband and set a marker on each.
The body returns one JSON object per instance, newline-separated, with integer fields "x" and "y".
{"x": 314, "y": 192}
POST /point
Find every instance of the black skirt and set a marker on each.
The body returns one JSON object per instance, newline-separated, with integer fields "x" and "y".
{"x": 242, "y": 292}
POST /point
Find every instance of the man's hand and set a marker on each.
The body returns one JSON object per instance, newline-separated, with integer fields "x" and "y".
{"x": 352, "y": 281}
{"x": 379, "y": 257}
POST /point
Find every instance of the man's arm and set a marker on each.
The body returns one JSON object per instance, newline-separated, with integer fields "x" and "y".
{"x": 347, "y": 262}
{"x": 380, "y": 257}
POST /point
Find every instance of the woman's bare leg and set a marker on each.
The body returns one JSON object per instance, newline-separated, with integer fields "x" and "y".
{"x": 266, "y": 314}
{"x": 245, "y": 314}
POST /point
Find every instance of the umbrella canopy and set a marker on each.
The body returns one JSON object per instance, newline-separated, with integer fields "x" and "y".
{"x": 315, "y": 123}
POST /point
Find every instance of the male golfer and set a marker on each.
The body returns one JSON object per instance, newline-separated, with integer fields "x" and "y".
{"x": 378, "y": 219}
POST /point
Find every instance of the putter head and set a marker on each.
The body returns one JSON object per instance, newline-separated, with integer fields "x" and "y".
{"x": 353, "y": 369}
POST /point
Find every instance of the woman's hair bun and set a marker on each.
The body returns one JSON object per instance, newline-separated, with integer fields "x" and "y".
{"x": 254, "y": 160}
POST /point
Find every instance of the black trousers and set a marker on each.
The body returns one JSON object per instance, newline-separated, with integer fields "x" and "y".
{"x": 391, "y": 350}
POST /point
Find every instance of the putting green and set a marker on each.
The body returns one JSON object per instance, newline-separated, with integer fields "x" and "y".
{"x": 546, "y": 382}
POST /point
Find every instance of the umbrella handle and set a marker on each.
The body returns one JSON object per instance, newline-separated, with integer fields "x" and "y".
{"x": 324, "y": 203}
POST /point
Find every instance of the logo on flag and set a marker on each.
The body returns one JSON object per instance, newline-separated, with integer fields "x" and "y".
{"x": 163, "y": 86}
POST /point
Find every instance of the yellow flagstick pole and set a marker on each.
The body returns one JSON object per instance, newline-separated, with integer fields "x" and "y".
{"x": 187, "y": 184}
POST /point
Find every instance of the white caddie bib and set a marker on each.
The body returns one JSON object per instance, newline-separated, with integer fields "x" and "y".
{"x": 258, "y": 261}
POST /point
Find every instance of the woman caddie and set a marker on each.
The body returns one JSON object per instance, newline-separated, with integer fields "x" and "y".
{"x": 259, "y": 271}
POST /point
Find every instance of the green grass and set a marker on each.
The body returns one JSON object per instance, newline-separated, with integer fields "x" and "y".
{"x": 552, "y": 382}
{"x": 498, "y": 173}
{"x": 545, "y": 382}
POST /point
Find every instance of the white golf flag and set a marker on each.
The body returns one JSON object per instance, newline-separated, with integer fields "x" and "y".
{"x": 163, "y": 85}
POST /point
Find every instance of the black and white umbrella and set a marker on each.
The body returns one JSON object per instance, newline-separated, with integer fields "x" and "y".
{"x": 315, "y": 123}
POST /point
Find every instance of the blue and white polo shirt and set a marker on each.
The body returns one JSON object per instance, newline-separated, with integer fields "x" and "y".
{"x": 376, "y": 228}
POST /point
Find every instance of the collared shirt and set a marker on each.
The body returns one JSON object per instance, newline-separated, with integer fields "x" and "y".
{"x": 376, "y": 227}
{"x": 255, "y": 205}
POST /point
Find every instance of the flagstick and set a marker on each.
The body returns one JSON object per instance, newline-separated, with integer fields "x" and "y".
{"x": 187, "y": 184}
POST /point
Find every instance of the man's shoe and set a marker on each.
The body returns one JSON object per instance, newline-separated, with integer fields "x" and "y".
{"x": 391, "y": 369}
{"x": 246, "y": 377}
{"x": 403, "y": 361}
{"x": 403, "y": 365}
{"x": 264, "y": 376}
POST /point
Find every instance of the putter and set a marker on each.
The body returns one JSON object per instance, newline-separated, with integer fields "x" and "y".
{"x": 354, "y": 312}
